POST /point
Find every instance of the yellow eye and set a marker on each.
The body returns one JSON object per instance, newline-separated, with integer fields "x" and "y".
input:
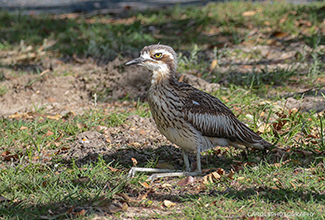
{"x": 158, "y": 55}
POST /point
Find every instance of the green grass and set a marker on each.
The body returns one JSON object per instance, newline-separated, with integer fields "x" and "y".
{"x": 179, "y": 27}
{"x": 270, "y": 184}
{"x": 55, "y": 187}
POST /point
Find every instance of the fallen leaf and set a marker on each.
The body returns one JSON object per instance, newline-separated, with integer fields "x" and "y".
{"x": 81, "y": 213}
{"x": 23, "y": 128}
{"x": 231, "y": 175}
{"x": 101, "y": 128}
{"x": 134, "y": 161}
{"x": 18, "y": 115}
{"x": 144, "y": 196}
{"x": 145, "y": 185}
{"x": 213, "y": 65}
{"x": 181, "y": 79}
{"x": 70, "y": 210}
{"x": 69, "y": 115}
{"x": 82, "y": 125}
{"x": 6, "y": 153}
{"x": 61, "y": 150}
{"x": 112, "y": 169}
{"x": 203, "y": 186}
{"x": 166, "y": 185}
{"x": 168, "y": 203}
{"x": 207, "y": 179}
{"x": 185, "y": 181}
{"x": 49, "y": 133}
{"x": 135, "y": 144}
{"x": 221, "y": 171}
{"x": 125, "y": 206}
{"x": 264, "y": 128}
{"x": 51, "y": 99}
{"x": 11, "y": 157}
{"x": 56, "y": 117}
{"x": 248, "y": 13}
{"x": 279, "y": 34}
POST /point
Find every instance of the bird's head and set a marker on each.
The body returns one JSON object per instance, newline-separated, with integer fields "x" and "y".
{"x": 157, "y": 58}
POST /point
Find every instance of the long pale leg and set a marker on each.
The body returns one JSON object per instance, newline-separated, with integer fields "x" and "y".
{"x": 198, "y": 159}
{"x": 186, "y": 161}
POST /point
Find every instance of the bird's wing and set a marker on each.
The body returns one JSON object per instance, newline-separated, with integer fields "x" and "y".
{"x": 213, "y": 119}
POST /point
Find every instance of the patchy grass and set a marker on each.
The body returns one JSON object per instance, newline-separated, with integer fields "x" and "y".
{"x": 260, "y": 55}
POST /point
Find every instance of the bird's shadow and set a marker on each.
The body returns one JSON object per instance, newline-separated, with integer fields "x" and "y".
{"x": 226, "y": 158}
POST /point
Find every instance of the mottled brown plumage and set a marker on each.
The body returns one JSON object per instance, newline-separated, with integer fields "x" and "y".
{"x": 192, "y": 119}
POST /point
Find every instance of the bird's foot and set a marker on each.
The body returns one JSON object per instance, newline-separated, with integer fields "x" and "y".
{"x": 160, "y": 173}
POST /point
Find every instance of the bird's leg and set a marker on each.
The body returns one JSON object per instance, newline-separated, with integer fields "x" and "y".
{"x": 186, "y": 161}
{"x": 198, "y": 159}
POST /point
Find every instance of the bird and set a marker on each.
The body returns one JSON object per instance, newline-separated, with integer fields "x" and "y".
{"x": 192, "y": 119}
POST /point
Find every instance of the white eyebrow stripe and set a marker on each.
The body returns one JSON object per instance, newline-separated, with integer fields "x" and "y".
{"x": 146, "y": 56}
{"x": 195, "y": 103}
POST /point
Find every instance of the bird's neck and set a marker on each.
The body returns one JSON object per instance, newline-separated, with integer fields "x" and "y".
{"x": 162, "y": 78}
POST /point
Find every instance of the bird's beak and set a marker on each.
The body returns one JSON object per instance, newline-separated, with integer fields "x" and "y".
{"x": 135, "y": 61}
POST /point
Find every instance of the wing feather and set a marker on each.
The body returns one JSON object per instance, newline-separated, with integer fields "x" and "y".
{"x": 214, "y": 119}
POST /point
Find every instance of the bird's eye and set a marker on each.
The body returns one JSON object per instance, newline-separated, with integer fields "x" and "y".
{"x": 158, "y": 55}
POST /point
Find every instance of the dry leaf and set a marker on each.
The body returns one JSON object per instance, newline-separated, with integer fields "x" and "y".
{"x": 81, "y": 125}
{"x": 203, "y": 186}
{"x": 249, "y": 13}
{"x": 49, "y": 133}
{"x": 240, "y": 178}
{"x": 6, "y": 153}
{"x": 264, "y": 128}
{"x": 18, "y": 115}
{"x": 144, "y": 196}
{"x": 181, "y": 79}
{"x": 210, "y": 177}
{"x": 221, "y": 171}
{"x": 168, "y": 203}
{"x": 69, "y": 115}
{"x": 185, "y": 181}
{"x": 125, "y": 207}
{"x": 112, "y": 169}
{"x": 145, "y": 185}
{"x": 56, "y": 117}
{"x": 11, "y": 157}
{"x": 134, "y": 161}
{"x": 101, "y": 128}
{"x": 61, "y": 150}
{"x": 231, "y": 174}
{"x": 135, "y": 144}
{"x": 22, "y": 128}
{"x": 213, "y": 65}
{"x": 81, "y": 213}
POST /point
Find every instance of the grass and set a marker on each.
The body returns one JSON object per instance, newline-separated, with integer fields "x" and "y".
{"x": 36, "y": 183}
